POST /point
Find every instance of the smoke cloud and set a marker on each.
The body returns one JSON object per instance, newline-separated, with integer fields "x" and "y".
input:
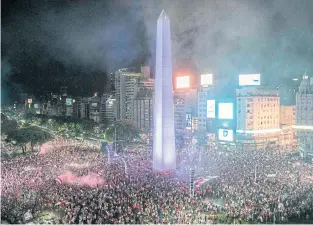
{"x": 239, "y": 36}
{"x": 270, "y": 37}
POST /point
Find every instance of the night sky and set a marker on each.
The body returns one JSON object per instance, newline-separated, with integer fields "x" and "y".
{"x": 46, "y": 44}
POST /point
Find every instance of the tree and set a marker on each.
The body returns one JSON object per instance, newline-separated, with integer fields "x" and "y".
{"x": 126, "y": 130}
{"x": 33, "y": 135}
{"x": 38, "y": 136}
{"x": 19, "y": 138}
{"x": 7, "y": 125}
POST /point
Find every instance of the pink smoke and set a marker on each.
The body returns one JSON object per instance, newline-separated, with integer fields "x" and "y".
{"x": 45, "y": 148}
{"x": 91, "y": 179}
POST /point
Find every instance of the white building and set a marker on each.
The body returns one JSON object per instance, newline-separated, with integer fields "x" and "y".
{"x": 258, "y": 115}
{"x": 304, "y": 117}
{"x": 127, "y": 84}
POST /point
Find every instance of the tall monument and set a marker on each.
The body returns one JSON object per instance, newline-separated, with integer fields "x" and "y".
{"x": 164, "y": 153}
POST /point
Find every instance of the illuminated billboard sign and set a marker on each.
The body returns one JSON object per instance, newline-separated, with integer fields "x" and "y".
{"x": 182, "y": 82}
{"x": 68, "y": 101}
{"x": 30, "y": 100}
{"x": 206, "y": 79}
{"x": 94, "y": 104}
{"x": 211, "y": 109}
{"x": 36, "y": 106}
{"x": 249, "y": 79}
{"x": 188, "y": 121}
{"x": 226, "y": 110}
{"x": 225, "y": 135}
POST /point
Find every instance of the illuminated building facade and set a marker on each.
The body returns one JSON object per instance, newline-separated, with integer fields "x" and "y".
{"x": 304, "y": 117}
{"x": 164, "y": 152}
{"x": 258, "y": 115}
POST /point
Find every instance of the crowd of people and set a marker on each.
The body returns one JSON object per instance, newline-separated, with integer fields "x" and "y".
{"x": 254, "y": 185}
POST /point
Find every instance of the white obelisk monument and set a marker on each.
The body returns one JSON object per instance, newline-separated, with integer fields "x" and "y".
{"x": 164, "y": 153}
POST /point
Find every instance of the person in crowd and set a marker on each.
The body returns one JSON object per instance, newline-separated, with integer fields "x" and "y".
{"x": 254, "y": 185}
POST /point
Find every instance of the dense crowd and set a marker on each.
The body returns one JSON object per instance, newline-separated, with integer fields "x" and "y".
{"x": 255, "y": 185}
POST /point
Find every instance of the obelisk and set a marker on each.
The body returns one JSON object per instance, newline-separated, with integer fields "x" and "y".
{"x": 164, "y": 152}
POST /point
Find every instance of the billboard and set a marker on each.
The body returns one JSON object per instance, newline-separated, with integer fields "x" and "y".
{"x": 249, "y": 79}
{"x": 36, "y": 106}
{"x": 226, "y": 110}
{"x": 68, "y": 101}
{"x": 94, "y": 104}
{"x": 210, "y": 109}
{"x": 29, "y": 100}
{"x": 188, "y": 121}
{"x": 225, "y": 135}
{"x": 206, "y": 79}
{"x": 183, "y": 82}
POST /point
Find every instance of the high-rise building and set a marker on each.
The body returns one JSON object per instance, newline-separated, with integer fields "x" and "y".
{"x": 143, "y": 109}
{"x": 94, "y": 107}
{"x": 304, "y": 117}
{"x": 85, "y": 108}
{"x": 202, "y": 109}
{"x": 125, "y": 83}
{"x": 258, "y": 115}
{"x": 179, "y": 112}
{"x": 77, "y": 107}
{"x": 108, "y": 109}
{"x": 164, "y": 152}
{"x": 185, "y": 110}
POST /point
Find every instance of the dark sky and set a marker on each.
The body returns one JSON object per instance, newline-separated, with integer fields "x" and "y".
{"x": 49, "y": 43}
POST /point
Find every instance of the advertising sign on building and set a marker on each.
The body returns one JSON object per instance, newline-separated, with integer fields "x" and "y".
{"x": 211, "y": 109}
{"x": 68, "y": 101}
{"x": 226, "y": 110}
{"x": 188, "y": 121}
{"x": 226, "y": 135}
{"x": 206, "y": 79}
{"x": 249, "y": 79}
{"x": 94, "y": 104}
{"x": 30, "y": 101}
{"x": 182, "y": 82}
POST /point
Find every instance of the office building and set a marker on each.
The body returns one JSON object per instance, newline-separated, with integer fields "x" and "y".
{"x": 304, "y": 117}
{"x": 258, "y": 115}
{"x": 108, "y": 109}
{"x": 142, "y": 107}
{"x": 125, "y": 84}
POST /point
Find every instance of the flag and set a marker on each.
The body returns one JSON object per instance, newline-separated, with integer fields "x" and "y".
{"x": 200, "y": 181}
{"x": 59, "y": 180}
